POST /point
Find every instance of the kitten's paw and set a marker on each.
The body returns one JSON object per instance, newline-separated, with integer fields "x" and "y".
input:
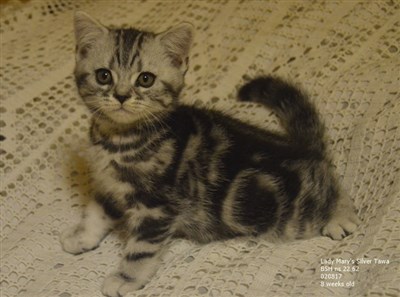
{"x": 341, "y": 225}
{"x": 75, "y": 240}
{"x": 117, "y": 285}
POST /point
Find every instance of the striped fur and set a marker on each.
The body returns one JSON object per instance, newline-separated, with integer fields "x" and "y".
{"x": 168, "y": 170}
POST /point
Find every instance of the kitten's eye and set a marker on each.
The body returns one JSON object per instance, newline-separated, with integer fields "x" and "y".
{"x": 103, "y": 76}
{"x": 146, "y": 79}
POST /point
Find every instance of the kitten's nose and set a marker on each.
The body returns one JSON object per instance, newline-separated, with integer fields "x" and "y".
{"x": 121, "y": 98}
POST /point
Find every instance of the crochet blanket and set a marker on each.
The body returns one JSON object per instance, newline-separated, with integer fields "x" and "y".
{"x": 345, "y": 54}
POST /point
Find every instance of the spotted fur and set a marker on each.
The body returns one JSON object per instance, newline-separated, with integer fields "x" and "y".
{"x": 166, "y": 169}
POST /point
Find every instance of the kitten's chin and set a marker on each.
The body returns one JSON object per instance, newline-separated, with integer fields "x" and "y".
{"x": 123, "y": 117}
{"x": 126, "y": 117}
{"x": 120, "y": 116}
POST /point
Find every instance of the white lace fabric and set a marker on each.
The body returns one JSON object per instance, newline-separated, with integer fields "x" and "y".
{"x": 345, "y": 54}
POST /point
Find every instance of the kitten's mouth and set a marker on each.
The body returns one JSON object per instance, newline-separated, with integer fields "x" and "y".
{"x": 122, "y": 110}
{"x": 122, "y": 115}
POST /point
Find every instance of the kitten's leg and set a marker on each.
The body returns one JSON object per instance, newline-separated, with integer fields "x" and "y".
{"x": 343, "y": 221}
{"x": 253, "y": 203}
{"x": 141, "y": 257}
{"x": 86, "y": 236}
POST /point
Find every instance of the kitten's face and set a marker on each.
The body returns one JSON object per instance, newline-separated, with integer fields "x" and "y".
{"x": 128, "y": 75}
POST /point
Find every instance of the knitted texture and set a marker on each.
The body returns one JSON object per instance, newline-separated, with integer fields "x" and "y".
{"x": 345, "y": 54}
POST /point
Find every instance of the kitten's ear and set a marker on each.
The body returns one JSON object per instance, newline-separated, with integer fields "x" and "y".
{"x": 87, "y": 29}
{"x": 177, "y": 41}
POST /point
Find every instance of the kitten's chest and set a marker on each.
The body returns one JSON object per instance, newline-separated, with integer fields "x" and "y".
{"x": 104, "y": 175}
{"x": 130, "y": 166}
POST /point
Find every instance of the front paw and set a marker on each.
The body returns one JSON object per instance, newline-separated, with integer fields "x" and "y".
{"x": 118, "y": 284}
{"x": 76, "y": 240}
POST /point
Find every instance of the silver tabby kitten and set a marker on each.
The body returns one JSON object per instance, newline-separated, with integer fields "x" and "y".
{"x": 164, "y": 169}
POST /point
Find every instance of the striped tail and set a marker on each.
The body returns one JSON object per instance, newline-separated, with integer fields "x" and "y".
{"x": 295, "y": 110}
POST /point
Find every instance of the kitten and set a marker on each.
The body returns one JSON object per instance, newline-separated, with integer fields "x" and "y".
{"x": 165, "y": 169}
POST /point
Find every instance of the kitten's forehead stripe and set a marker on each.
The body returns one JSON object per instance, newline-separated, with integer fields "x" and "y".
{"x": 125, "y": 51}
{"x": 128, "y": 40}
{"x": 135, "y": 55}
{"x": 121, "y": 47}
{"x": 117, "y": 46}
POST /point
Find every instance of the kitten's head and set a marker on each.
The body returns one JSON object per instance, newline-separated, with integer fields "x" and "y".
{"x": 128, "y": 75}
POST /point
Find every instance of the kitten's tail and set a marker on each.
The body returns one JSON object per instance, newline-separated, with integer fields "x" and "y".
{"x": 296, "y": 112}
